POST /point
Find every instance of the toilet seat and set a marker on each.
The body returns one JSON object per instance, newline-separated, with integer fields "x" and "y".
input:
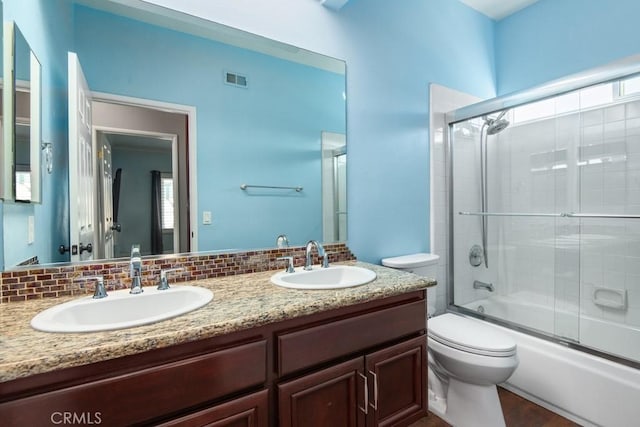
{"x": 470, "y": 336}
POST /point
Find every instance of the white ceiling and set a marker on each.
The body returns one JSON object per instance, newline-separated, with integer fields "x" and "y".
{"x": 498, "y": 9}
{"x": 155, "y": 14}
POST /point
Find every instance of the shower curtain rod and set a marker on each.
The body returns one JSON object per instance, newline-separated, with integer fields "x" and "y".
{"x": 560, "y": 215}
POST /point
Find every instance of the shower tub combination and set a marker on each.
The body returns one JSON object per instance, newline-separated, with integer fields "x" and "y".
{"x": 544, "y": 217}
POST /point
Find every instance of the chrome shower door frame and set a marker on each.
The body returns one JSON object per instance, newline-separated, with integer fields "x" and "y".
{"x": 617, "y": 70}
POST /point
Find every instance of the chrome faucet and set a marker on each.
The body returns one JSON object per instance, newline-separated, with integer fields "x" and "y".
{"x": 99, "y": 290}
{"x": 482, "y": 285}
{"x": 321, "y": 252}
{"x": 282, "y": 241}
{"x": 163, "y": 284}
{"x": 135, "y": 270}
{"x": 289, "y": 259}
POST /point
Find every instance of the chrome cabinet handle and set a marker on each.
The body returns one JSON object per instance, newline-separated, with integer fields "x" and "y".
{"x": 374, "y": 405}
{"x": 365, "y": 409}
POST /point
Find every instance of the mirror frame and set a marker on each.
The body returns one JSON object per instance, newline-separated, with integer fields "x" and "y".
{"x": 8, "y": 167}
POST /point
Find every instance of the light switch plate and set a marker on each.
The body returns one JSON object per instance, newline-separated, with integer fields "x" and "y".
{"x": 206, "y": 217}
{"x": 31, "y": 232}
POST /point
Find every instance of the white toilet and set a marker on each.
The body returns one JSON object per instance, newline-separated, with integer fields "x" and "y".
{"x": 466, "y": 359}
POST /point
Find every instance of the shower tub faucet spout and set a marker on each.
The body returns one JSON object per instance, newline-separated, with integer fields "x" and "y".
{"x": 482, "y": 285}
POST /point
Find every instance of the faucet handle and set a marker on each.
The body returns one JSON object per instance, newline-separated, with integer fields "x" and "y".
{"x": 325, "y": 260}
{"x": 99, "y": 290}
{"x": 163, "y": 284}
{"x": 289, "y": 259}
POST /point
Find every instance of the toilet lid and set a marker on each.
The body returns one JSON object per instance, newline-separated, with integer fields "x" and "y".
{"x": 470, "y": 336}
{"x": 411, "y": 261}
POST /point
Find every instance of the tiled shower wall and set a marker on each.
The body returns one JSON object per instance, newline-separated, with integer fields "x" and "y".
{"x": 442, "y": 100}
{"x": 610, "y": 183}
{"x": 585, "y": 162}
{"x": 582, "y": 162}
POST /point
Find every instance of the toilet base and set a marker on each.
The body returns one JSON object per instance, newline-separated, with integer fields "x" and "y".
{"x": 470, "y": 405}
{"x": 438, "y": 407}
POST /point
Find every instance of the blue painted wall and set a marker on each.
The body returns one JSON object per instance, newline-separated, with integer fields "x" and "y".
{"x": 388, "y": 114}
{"x": 240, "y": 138}
{"x": 47, "y": 25}
{"x": 392, "y": 55}
{"x": 393, "y": 51}
{"x": 552, "y": 39}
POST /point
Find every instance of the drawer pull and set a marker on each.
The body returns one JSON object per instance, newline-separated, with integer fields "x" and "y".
{"x": 374, "y": 405}
{"x": 365, "y": 409}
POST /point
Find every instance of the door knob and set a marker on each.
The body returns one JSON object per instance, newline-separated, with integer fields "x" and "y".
{"x": 88, "y": 248}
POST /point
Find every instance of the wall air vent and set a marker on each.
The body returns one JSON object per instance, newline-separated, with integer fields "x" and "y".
{"x": 235, "y": 79}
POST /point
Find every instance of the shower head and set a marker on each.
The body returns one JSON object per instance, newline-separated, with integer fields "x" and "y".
{"x": 496, "y": 126}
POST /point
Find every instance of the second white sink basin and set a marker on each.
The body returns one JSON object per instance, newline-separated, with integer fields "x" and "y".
{"x": 121, "y": 309}
{"x": 333, "y": 277}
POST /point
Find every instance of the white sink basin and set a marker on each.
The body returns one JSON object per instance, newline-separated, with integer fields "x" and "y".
{"x": 333, "y": 277}
{"x": 121, "y": 309}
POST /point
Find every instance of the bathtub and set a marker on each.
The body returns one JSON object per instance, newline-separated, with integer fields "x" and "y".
{"x": 587, "y": 389}
{"x": 528, "y": 309}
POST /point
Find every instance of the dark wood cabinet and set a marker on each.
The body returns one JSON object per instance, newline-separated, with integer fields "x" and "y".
{"x": 331, "y": 397}
{"x": 358, "y": 366}
{"x": 147, "y": 393}
{"x": 383, "y": 388}
{"x": 398, "y": 383}
{"x": 248, "y": 411}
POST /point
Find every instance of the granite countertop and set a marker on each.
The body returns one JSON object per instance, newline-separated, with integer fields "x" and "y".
{"x": 239, "y": 302}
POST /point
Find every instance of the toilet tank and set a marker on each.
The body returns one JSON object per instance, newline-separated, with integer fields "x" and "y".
{"x": 422, "y": 264}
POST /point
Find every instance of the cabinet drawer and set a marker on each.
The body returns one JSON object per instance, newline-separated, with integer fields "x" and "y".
{"x": 150, "y": 393}
{"x": 322, "y": 343}
{"x": 247, "y": 411}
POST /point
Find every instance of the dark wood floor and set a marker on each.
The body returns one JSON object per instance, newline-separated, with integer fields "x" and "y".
{"x": 518, "y": 412}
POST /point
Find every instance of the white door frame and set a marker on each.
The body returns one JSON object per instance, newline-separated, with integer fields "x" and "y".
{"x": 190, "y": 112}
{"x": 174, "y": 166}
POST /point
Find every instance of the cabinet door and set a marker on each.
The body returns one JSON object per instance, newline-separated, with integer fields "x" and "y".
{"x": 398, "y": 383}
{"x": 248, "y": 411}
{"x": 331, "y": 397}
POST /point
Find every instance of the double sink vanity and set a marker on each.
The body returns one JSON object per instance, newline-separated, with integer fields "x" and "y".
{"x": 255, "y": 354}
{"x": 236, "y": 342}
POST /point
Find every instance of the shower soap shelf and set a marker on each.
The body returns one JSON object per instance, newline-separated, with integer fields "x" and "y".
{"x": 610, "y": 298}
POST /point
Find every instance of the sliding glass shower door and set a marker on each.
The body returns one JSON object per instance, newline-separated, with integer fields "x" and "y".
{"x": 545, "y": 216}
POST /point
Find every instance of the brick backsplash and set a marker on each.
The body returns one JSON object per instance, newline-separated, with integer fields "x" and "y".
{"x": 42, "y": 281}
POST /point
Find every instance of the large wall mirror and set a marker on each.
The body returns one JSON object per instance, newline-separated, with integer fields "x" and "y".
{"x": 186, "y": 135}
